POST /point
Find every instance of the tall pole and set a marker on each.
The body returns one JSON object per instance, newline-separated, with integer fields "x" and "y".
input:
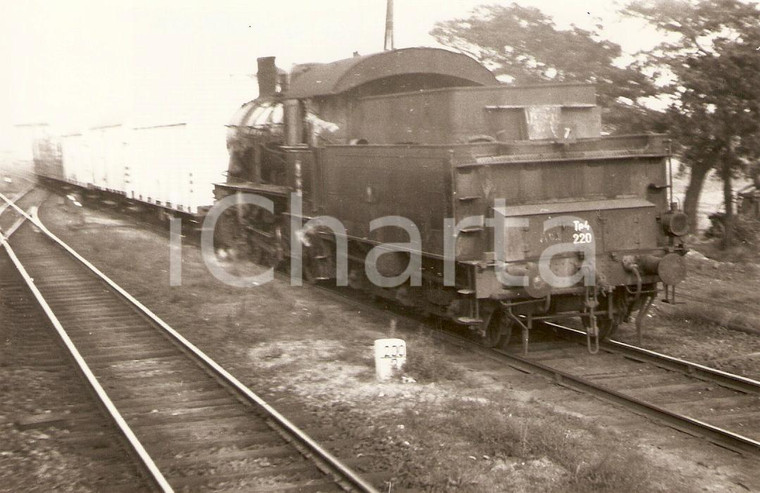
{"x": 389, "y": 26}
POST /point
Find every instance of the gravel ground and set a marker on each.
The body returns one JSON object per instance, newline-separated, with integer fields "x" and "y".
{"x": 459, "y": 424}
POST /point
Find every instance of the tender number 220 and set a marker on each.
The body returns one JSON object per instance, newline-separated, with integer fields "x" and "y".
{"x": 582, "y": 238}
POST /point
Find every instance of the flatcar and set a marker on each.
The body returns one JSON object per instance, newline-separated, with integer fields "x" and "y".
{"x": 514, "y": 208}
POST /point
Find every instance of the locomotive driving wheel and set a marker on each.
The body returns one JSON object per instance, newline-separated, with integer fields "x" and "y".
{"x": 499, "y": 331}
{"x": 310, "y": 270}
{"x": 227, "y": 235}
{"x": 270, "y": 253}
{"x": 317, "y": 260}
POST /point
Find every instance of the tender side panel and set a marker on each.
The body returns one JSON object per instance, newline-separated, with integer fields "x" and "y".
{"x": 466, "y": 114}
{"x": 550, "y": 183}
{"x": 426, "y": 118}
{"x": 610, "y": 226}
{"x": 362, "y": 183}
{"x": 606, "y": 229}
{"x": 551, "y": 180}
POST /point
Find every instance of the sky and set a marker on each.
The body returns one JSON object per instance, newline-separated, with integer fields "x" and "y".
{"x": 82, "y": 63}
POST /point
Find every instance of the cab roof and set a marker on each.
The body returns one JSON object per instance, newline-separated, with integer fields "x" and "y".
{"x": 325, "y": 79}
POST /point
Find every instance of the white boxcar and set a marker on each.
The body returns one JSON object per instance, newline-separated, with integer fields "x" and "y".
{"x": 77, "y": 160}
{"x": 47, "y": 158}
{"x": 175, "y": 165}
{"x": 172, "y": 166}
{"x": 108, "y": 147}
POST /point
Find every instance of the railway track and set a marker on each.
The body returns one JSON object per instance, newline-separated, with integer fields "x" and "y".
{"x": 43, "y": 397}
{"x": 193, "y": 425}
{"x": 704, "y": 402}
{"x": 707, "y": 403}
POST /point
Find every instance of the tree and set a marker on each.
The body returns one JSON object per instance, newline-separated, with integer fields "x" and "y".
{"x": 713, "y": 63}
{"x": 524, "y": 44}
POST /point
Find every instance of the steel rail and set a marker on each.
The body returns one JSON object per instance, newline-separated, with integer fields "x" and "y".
{"x": 21, "y": 220}
{"x": 686, "y": 424}
{"x": 691, "y": 426}
{"x": 3, "y": 207}
{"x": 339, "y": 470}
{"x": 719, "y": 436}
{"x": 725, "y": 379}
{"x": 18, "y": 196}
{"x": 154, "y": 473}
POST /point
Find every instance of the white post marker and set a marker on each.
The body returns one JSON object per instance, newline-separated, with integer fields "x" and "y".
{"x": 390, "y": 357}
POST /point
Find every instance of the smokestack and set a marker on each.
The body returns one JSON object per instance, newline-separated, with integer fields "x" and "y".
{"x": 267, "y": 76}
{"x": 389, "y": 26}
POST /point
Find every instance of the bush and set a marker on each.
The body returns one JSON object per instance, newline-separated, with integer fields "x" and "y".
{"x": 747, "y": 230}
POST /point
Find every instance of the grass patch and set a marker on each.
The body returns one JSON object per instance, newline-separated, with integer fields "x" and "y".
{"x": 691, "y": 315}
{"x": 742, "y": 253}
{"x": 358, "y": 353}
{"x": 426, "y": 360}
{"x": 562, "y": 452}
{"x": 699, "y": 316}
{"x": 746, "y": 246}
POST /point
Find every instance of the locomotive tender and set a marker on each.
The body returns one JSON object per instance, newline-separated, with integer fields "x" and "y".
{"x": 524, "y": 211}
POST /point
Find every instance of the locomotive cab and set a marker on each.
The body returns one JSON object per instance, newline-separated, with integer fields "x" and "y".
{"x": 314, "y": 105}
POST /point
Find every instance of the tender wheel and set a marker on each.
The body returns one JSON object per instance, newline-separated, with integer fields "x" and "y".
{"x": 258, "y": 256}
{"x": 281, "y": 247}
{"x": 267, "y": 253}
{"x": 498, "y": 332}
{"x": 607, "y": 328}
{"x": 318, "y": 260}
{"x": 310, "y": 265}
{"x": 224, "y": 234}
{"x": 310, "y": 270}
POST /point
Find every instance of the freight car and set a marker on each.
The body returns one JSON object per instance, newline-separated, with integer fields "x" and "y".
{"x": 523, "y": 212}
{"x": 163, "y": 170}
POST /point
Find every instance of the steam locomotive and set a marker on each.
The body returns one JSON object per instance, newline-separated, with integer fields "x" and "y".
{"x": 415, "y": 175}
